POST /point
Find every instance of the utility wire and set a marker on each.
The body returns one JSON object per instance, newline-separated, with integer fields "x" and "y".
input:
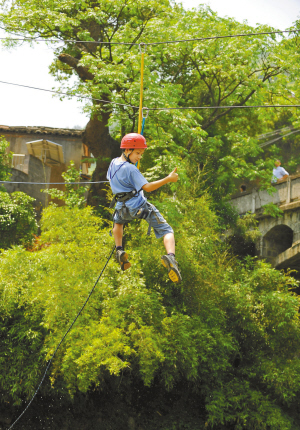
{"x": 63, "y": 338}
{"x": 151, "y": 43}
{"x": 221, "y": 107}
{"x": 152, "y": 109}
{"x": 53, "y": 183}
{"x": 278, "y": 131}
{"x": 277, "y": 138}
{"x": 68, "y": 94}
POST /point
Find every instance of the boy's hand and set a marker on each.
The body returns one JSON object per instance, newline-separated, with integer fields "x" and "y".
{"x": 173, "y": 176}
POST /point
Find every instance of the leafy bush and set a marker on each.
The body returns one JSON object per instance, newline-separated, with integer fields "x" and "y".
{"x": 74, "y": 194}
{"x": 5, "y": 159}
{"x": 17, "y": 220}
{"x": 228, "y": 336}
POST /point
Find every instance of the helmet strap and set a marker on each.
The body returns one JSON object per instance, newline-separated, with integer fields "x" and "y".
{"x": 127, "y": 157}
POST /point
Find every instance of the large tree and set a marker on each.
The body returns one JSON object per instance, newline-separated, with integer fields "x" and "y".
{"x": 220, "y": 72}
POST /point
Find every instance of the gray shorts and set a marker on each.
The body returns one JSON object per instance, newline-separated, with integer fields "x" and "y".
{"x": 148, "y": 212}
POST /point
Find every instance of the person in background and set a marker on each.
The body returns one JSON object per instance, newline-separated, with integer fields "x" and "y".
{"x": 279, "y": 173}
{"x": 243, "y": 188}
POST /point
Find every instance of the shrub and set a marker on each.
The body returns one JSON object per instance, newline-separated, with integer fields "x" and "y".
{"x": 17, "y": 219}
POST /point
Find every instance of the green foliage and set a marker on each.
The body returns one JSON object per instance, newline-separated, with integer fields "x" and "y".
{"x": 5, "y": 159}
{"x": 74, "y": 194}
{"x": 230, "y": 332}
{"x": 17, "y": 219}
{"x": 272, "y": 210}
{"x": 256, "y": 70}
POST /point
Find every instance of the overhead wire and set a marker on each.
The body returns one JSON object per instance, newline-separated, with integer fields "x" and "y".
{"x": 196, "y": 39}
{"x": 150, "y": 109}
{"x": 53, "y": 183}
{"x": 68, "y": 94}
{"x": 269, "y": 142}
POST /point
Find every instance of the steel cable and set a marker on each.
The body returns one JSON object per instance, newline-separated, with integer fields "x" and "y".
{"x": 196, "y": 39}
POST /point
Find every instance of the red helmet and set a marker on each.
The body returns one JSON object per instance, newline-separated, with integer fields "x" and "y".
{"x": 133, "y": 140}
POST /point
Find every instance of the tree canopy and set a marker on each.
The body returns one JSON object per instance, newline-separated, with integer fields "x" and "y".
{"x": 221, "y": 350}
{"x": 254, "y": 70}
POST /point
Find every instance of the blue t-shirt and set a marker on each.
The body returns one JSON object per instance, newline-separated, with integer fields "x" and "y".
{"x": 125, "y": 177}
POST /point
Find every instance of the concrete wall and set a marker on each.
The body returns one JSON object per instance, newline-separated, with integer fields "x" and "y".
{"x": 280, "y": 236}
{"x": 71, "y": 142}
{"x": 286, "y": 192}
{"x": 36, "y": 173}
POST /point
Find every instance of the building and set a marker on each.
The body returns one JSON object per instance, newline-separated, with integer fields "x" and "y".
{"x": 41, "y": 155}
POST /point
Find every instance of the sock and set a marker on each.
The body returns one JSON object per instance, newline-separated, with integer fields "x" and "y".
{"x": 171, "y": 253}
{"x": 120, "y": 248}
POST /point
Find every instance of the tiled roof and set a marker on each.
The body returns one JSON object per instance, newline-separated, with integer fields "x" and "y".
{"x": 42, "y": 130}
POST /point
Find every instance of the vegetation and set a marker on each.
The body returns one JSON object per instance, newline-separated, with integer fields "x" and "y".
{"x": 220, "y": 351}
{"x": 223, "y": 143}
{"x": 74, "y": 194}
{"x": 5, "y": 159}
{"x": 227, "y": 337}
{"x": 17, "y": 219}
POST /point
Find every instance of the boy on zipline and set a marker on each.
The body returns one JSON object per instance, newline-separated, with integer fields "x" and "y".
{"x": 127, "y": 184}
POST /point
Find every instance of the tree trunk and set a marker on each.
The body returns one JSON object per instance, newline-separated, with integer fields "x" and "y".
{"x": 97, "y": 138}
{"x": 104, "y": 148}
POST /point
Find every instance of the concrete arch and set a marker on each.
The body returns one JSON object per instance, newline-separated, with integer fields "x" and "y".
{"x": 277, "y": 240}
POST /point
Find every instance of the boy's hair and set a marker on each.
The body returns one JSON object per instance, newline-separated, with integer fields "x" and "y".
{"x": 130, "y": 149}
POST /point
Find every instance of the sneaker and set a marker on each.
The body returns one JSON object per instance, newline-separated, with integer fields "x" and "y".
{"x": 171, "y": 264}
{"x": 122, "y": 259}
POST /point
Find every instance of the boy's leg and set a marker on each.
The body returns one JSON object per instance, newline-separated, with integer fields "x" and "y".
{"x": 118, "y": 234}
{"x": 121, "y": 255}
{"x": 169, "y": 242}
{"x": 168, "y": 260}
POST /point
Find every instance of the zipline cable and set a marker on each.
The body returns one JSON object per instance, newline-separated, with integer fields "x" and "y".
{"x": 22, "y": 39}
{"x": 152, "y": 109}
{"x": 63, "y": 338}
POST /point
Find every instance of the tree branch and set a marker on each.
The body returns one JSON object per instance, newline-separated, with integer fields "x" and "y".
{"x": 81, "y": 71}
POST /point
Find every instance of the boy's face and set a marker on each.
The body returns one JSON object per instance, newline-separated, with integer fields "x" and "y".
{"x": 135, "y": 155}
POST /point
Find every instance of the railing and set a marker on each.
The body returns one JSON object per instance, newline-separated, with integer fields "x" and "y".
{"x": 286, "y": 196}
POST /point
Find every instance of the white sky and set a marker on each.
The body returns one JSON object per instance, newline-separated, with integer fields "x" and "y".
{"x": 29, "y": 66}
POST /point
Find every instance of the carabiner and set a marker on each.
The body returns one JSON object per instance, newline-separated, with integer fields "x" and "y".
{"x": 147, "y": 112}
{"x": 140, "y": 46}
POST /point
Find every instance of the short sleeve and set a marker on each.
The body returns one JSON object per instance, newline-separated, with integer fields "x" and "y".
{"x": 137, "y": 178}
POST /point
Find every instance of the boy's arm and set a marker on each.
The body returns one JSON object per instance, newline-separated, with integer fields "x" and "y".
{"x": 152, "y": 186}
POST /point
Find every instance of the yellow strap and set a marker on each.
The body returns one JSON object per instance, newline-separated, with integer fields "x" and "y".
{"x": 141, "y": 95}
{"x": 141, "y": 100}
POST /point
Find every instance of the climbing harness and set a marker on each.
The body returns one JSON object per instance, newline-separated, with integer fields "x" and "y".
{"x": 62, "y": 339}
{"x": 123, "y": 197}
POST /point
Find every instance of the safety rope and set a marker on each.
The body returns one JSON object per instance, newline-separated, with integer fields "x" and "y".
{"x": 196, "y": 39}
{"x": 63, "y": 338}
